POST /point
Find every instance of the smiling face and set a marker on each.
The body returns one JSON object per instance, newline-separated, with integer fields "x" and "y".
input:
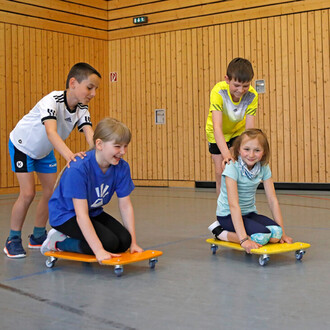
{"x": 237, "y": 89}
{"x": 251, "y": 151}
{"x": 84, "y": 91}
{"x": 109, "y": 153}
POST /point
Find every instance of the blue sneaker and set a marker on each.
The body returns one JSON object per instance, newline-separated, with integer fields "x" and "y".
{"x": 35, "y": 243}
{"x": 14, "y": 248}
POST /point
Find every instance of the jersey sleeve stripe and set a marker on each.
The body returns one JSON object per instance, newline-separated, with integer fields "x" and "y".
{"x": 82, "y": 125}
{"x": 46, "y": 118}
{"x": 216, "y": 107}
{"x": 251, "y": 112}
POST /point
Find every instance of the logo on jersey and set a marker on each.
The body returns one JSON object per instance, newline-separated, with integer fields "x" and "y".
{"x": 19, "y": 164}
{"x": 51, "y": 112}
{"x": 101, "y": 192}
{"x": 68, "y": 119}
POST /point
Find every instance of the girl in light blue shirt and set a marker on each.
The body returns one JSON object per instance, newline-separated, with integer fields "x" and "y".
{"x": 237, "y": 217}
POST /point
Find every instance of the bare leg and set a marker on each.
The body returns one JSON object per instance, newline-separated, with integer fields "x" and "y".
{"x": 24, "y": 200}
{"x": 47, "y": 181}
{"x": 217, "y": 160}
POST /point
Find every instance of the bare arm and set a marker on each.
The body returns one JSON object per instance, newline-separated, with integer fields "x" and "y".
{"x": 58, "y": 143}
{"x": 275, "y": 207}
{"x": 219, "y": 137}
{"x": 250, "y": 122}
{"x": 89, "y": 132}
{"x": 236, "y": 215}
{"x": 127, "y": 214}
{"x": 85, "y": 224}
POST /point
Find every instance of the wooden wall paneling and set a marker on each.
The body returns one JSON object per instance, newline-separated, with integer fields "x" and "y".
{"x": 204, "y": 89}
{"x": 140, "y": 145}
{"x": 326, "y": 88}
{"x": 3, "y": 137}
{"x": 164, "y": 105}
{"x": 134, "y": 110}
{"x": 268, "y": 104}
{"x": 306, "y": 97}
{"x": 173, "y": 168}
{"x": 143, "y": 155}
{"x": 158, "y": 105}
{"x": 148, "y": 155}
{"x": 312, "y": 98}
{"x": 319, "y": 109}
{"x": 256, "y": 33}
{"x": 180, "y": 133}
{"x": 291, "y": 105}
{"x": 197, "y": 141}
{"x": 286, "y": 102}
{"x": 188, "y": 109}
{"x": 153, "y": 105}
{"x": 299, "y": 98}
{"x": 7, "y": 100}
{"x": 279, "y": 126}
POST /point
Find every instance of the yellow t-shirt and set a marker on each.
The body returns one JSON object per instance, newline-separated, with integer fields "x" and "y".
{"x": 233, "y": 113}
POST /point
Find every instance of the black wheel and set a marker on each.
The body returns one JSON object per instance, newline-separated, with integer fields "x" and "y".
{"x": 152, "y": 263}
{"x": 263, "y": 261}
{"x": 300, "y": 254}
{"x": 214, "y": 248}
{"x": 118, "y": 270}
{"x": 50, "y": 262}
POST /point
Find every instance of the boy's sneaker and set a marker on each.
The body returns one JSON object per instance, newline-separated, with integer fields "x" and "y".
{"x": 53, "y": 237}
{"x": 14, "y": 248}
{"x": 215, "y": 229}
{"x": 36, "y": 242}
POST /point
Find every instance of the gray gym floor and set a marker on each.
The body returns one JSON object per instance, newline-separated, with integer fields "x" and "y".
{"x": 190, "y": 288}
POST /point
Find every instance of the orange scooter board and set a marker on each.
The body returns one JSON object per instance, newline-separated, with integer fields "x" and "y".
{"x": 264, "y": 251}
{"x": 118, "y": 262}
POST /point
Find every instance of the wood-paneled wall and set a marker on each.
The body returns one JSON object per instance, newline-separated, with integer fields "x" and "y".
{"x": 172, "y": 63}
{"x": 176, "y": 70}
{"x": 33, "y": 62}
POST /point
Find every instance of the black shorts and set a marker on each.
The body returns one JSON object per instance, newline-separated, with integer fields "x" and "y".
{"x": 214, "y": 150}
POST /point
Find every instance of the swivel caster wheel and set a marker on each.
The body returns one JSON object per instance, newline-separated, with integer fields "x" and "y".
{"x": 214, "y": 248}
{"x": 300, "y": 254}
{"x": 118, "y": 270}
{"x": 50, "y": 262}
{"x": 263, "y": 260}
{"x": 152, "y": 263}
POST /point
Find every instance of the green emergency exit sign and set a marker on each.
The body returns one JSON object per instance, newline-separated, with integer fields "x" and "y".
{"x": 140, "y": 20}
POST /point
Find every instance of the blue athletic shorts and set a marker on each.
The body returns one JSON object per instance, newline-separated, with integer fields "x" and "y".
{"x": 22, "y": 163}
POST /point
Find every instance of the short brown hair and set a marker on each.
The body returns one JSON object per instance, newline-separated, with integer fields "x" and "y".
{"x": 253, "y": 133}
{"x": 240, "y": 69}
{"x": 81, "y": 71}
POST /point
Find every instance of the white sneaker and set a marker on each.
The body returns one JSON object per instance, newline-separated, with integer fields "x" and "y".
{"x": 53, "y": 237}
{"x": 214, "y": 225}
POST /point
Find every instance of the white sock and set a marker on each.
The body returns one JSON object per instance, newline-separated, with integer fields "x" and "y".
{"x": 223, "y": 236}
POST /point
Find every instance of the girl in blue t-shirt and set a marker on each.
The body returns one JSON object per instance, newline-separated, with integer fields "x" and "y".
{"x": 237, "y": 217}
{"x": 76, "y": 206}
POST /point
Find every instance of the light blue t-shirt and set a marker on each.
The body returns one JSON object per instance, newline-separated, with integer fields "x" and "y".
{"x": 85, "y": 180}
{"x": 246, "y": 189}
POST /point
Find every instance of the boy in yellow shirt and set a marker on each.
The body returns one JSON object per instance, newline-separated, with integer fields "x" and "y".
{"x": 233, "y": 105}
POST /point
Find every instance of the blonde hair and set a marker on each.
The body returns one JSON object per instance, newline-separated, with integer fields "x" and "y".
{"x": 110, "y": 129}
{"x": 253, "y": 133}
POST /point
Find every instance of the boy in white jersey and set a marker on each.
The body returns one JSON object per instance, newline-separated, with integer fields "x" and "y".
{"x": 233, "y": 105}
{"x": 31, "y": 146}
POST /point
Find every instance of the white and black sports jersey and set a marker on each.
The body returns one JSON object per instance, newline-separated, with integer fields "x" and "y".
{"x": 29, "y": 135}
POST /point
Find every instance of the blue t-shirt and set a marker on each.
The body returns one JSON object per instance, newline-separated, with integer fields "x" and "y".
{"x": 85, "y": 180}
{"x": 246, "y": 189}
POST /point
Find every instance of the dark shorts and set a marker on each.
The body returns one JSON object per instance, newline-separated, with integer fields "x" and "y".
{"x": 22, "y": 163}
{"x": 214, "y": 150}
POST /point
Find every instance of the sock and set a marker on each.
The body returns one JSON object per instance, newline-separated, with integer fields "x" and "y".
{"x": 38, "y": 231}
{"x": 13, "y": 233}
{"x": 223, "y": 235}
{"x": 69, "y": 245}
